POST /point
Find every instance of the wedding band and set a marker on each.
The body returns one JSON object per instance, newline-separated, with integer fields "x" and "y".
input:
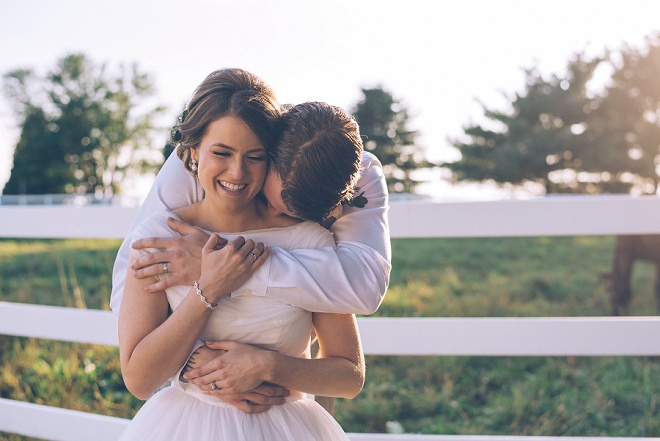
{"x": 165, "y": 270}
{"x": 254, "y": 256}
{"x": 213, "y": 386}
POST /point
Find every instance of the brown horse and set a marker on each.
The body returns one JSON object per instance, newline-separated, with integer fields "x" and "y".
{"x": 628, "y": 249}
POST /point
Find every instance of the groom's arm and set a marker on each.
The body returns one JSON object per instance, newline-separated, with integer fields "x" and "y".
{"x": 351, "y": 278}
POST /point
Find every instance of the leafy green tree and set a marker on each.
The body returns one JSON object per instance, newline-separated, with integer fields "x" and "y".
{"x": 538, "y": 136}
{"x": 81, "y": 132}
{"x": 384, "y": 128}
{"x": 32, "y": 173}
{"x": 568, "y": 138}
{"x": 628, "y": 118}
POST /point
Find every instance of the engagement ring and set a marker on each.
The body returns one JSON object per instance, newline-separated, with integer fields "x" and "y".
{"x": 254, "y": 256}
{"x": 165, "y": 270}
{"x": 213, "y": 386}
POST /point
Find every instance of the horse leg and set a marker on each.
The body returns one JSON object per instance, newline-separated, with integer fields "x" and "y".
{"x": 657, "y": 287}
{"x": 620, "y": 279}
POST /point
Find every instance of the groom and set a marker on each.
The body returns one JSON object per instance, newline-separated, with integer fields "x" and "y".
{"x": 317, "y": 153}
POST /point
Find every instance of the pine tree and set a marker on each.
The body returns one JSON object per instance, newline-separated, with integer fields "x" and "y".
{"x": 384, "y": 128}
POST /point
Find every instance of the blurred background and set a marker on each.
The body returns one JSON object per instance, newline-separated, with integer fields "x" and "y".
{"x": 109, "y": 78}
{"x": 470, "y": 100}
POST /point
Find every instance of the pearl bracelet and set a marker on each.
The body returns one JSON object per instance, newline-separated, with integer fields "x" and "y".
{"x": 202, "y": 297}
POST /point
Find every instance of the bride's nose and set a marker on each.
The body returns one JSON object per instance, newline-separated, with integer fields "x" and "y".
{"x": 237, "y": 169}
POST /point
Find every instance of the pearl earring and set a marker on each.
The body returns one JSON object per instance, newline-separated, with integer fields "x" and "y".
{"x": 193, "y": 165}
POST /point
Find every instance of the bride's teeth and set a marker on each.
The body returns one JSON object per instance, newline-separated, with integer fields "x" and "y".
{"x": 232, "y": 187}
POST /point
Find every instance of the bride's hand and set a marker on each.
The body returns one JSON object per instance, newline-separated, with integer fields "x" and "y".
{"x": 227, "y": 268}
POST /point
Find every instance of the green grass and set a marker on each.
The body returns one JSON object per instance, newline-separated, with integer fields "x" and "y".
{"x": 576, "y": 396}
{"x": 74, "y": 273}
{"x": 497, "y": 277}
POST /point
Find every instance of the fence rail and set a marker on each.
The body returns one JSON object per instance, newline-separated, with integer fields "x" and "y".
{"x": 487, "y": 336}
{"x": 550, "y": 336}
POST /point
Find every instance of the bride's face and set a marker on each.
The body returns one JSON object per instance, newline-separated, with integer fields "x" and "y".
{"x": 232, "y": 163}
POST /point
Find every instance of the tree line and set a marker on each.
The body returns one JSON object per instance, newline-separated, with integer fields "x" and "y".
{"x": 85, "y": 128}
{"x": 568, "y": 135}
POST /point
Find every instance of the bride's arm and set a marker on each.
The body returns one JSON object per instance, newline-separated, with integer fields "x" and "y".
{"x": 153, "y": 346}
{"x": 339, "y": 372}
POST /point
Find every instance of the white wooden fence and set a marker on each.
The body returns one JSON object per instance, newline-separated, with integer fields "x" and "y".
{"x": 551, "y": 336}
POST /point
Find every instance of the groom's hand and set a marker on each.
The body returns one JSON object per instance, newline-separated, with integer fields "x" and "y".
{"x": 257, "y": 400}
{"x": 180, "y": 256}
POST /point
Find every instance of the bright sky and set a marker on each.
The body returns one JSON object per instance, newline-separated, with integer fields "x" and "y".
{"x": 438, "y": 58}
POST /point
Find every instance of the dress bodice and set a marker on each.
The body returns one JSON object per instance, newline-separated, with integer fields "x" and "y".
{"x": 255, "y": 320}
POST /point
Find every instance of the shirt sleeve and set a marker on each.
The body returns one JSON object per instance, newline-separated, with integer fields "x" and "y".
{"x": 164, "y": 195}
{"x": 351, "y": 278}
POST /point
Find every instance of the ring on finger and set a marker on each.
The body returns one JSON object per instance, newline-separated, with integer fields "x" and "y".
{"x": 165, "y": 269}
{"x": 254, "y": 256}
{"x": 213, "y": 386}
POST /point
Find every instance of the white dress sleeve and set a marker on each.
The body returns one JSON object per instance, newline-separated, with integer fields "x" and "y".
{"x": 173, "y": 188}
{"x": 350, "y": 278}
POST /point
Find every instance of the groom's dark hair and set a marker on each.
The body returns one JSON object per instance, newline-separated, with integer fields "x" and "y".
{"x": 317, "y": 155}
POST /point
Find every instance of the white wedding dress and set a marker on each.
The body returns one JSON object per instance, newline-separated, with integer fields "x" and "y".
{"x": 181, "y": 412}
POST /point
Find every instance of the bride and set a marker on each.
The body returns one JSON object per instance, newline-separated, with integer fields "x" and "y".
{"x": 225, "y": 137}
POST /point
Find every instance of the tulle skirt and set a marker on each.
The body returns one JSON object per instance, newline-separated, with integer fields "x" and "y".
{"x": 175, "y": 413}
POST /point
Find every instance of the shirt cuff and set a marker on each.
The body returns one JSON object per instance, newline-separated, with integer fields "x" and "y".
{"x": 258, "y": 283}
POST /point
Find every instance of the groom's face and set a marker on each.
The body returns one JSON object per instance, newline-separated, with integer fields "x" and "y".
{"x": 273, "y": 192}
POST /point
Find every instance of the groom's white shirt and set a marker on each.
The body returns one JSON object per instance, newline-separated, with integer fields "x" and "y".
{"x": 351, "y": 278}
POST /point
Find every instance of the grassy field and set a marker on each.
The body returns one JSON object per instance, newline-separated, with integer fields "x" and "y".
{"x": 575, "y": 396}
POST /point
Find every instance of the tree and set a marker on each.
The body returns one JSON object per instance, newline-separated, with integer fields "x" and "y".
{"x": 384, "y": 127}
{"x": 570, "y": 139}
{"x": 31, "y": 173}
{"x": 80, "y": 132}
{"x": 539, "y": 135}
{"x": 629, "y": 117}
